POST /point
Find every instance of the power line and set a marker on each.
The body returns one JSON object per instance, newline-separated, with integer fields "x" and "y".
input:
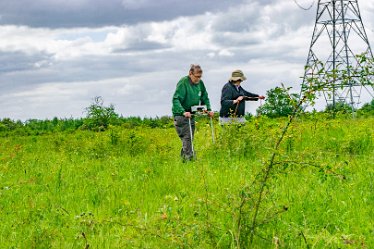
{"x": 301, "y": 7}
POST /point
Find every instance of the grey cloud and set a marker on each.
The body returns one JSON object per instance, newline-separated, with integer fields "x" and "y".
{"x": 84, "y": 69}
{"x": 19, "y": 71}
{"x": 57, "y": 14}
{"x": 17, "y": 61}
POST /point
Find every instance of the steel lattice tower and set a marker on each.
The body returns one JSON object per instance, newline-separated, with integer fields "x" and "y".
{"x": 339, "y": 35}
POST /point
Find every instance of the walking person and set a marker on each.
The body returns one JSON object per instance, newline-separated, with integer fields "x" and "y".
{"x": 233, "y": 99}
{"x": 190, "y": 92}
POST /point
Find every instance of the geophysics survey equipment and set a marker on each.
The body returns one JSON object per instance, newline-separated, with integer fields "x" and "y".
{"x": 245, "y": 98}
{"x": 199, "y": 110}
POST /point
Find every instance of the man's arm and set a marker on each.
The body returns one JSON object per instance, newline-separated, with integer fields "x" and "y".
{"x": 250, "y": 96}
{"x": 178, "y": 98}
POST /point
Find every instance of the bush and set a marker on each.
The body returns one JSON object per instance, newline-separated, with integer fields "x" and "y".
{"x": 340, "y": 106}
{"x": 8, "y": 125}
{"x": 279, "y": 103}
{"x": 367, "y": 108}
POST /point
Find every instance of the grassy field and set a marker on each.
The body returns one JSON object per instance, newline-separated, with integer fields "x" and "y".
{"x": 127, "y": 188}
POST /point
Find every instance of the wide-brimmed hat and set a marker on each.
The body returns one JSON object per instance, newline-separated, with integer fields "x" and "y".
{"x": 237, "y": 75}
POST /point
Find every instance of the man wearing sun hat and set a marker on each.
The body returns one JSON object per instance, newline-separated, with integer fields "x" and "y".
{"x": 233, "y": 99}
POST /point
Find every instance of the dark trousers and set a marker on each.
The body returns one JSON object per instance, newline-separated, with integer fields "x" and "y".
{"x": 182, "y": 127}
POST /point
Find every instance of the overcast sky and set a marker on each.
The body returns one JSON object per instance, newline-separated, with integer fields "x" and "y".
{"x": 57, "y": 55}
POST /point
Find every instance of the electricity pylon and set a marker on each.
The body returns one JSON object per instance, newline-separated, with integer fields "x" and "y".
{"x": 339, "y": 36}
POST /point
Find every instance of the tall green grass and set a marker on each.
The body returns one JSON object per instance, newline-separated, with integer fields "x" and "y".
{"x": 127, "y": 188}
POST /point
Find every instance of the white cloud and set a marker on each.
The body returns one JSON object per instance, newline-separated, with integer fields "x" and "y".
{"x": 119, "y": 38}
{"x": 40, "y": 40}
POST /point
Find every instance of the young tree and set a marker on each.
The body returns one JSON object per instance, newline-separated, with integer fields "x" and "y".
{"x": 279, "y": 103}
{"x": 99, "y": 116}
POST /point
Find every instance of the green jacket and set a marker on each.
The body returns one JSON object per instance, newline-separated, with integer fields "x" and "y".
{"x": 188, "y": 94}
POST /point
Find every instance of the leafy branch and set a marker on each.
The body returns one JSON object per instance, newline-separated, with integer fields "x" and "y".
{"x": 322, "y": 80}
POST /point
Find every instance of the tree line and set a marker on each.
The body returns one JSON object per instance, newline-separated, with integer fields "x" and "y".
{"x": 279, "y": 103}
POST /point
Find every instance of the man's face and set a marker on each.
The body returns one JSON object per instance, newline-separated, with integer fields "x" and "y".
{"x": 237, "y": 82}
{"x": 195, "y": 77}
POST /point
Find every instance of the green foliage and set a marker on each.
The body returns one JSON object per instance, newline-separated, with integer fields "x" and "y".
{"x": 279, "y": 103}
{"x": 162, "y": 122}
{"x": 33, "y": 127}
{"x": 339, "y": 106}
{"x": 38, "y": 127}
{"x": 367, "y": 109}
{"x": 99, "y": 117}
{"x": 7, "y": 124}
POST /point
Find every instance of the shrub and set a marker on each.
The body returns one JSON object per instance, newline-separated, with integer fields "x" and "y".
{"x": 339, "y": 106}
{"x": 367, "y": 108}
{"x": 279, "y": 103}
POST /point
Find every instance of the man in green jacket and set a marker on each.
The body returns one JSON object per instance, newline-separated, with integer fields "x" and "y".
{"x": 189, "y": 93}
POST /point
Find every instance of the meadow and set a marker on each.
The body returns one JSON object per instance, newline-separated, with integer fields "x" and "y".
{"x": 126, "y": 187}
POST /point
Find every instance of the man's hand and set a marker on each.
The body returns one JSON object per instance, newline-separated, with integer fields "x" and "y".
{"x": 187, "y": 114}
{"x": 211, "y": 114}
{"x": 240, "y": 98}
